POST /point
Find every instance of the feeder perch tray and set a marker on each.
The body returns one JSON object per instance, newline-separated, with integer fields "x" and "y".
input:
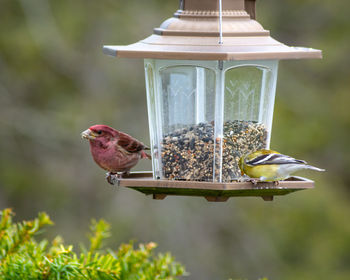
{"x": 211, "y": 191}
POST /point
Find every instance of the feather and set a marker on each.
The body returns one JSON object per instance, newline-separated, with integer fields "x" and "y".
{"x": 274, "y": 158}
{"x": 314, "y": 168}
{"x": 129, "y": 143}
{"x": 269, "y": 166}
{"x": 113, "y": 150}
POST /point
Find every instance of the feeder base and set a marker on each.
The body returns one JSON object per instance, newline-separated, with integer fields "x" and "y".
{"x": 211, "y": 191}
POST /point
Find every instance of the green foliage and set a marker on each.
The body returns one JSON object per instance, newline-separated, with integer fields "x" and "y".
{"x": 22, "y": 257}
{"x": 264, "y": 278}
{"x": 56, "y": 82}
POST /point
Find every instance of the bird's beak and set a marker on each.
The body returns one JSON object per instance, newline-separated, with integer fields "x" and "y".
{"x": 88, "y": 134}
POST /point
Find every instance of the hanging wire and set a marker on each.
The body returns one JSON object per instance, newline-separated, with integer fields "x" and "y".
{"x": 220, "y": 22}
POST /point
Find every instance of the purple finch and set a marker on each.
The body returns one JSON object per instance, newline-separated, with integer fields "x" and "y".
{"x": 113, "y": 150}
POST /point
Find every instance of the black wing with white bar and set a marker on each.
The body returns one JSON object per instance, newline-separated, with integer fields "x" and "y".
{"x": 274, "y": 159}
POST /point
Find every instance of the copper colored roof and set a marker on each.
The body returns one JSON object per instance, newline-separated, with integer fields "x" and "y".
{"x": 194, "y": 34}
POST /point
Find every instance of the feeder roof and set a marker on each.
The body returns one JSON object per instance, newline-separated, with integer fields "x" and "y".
{"x": 194, "y": 35}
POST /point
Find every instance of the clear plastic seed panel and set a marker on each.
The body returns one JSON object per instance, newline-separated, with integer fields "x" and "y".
{"x": 203, "y": 116}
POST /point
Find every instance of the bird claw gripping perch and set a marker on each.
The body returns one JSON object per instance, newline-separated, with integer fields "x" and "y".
{"x": 241, "y": 179}
{"x": 254, "y": 181}
{"x": 113, "y": 179}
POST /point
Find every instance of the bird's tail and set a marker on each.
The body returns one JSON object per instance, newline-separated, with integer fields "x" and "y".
{"x": 314, "y": 168}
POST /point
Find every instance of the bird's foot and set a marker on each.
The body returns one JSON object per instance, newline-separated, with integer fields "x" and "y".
{"x": 254, "y": 181}
{"x": 241, "y": 179}
{"x": 127, "y": 173}
{"x": 113, "y": 179}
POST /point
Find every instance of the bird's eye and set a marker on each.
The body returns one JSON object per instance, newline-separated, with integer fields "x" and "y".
{"x": 99, "y": 132}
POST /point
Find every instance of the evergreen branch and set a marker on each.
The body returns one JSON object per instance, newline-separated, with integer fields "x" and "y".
{"x": 22, "y": 257}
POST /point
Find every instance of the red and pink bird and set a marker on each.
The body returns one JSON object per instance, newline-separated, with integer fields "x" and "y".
{"x": 114, "y": 151}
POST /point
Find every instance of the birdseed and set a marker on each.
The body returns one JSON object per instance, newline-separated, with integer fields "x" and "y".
{"x": 188, "y": 153}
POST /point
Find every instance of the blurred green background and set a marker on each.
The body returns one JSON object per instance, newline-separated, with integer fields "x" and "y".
{"x": 56, "y": 82}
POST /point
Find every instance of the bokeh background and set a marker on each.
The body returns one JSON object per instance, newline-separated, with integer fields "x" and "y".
{"x": 56, "y": 82}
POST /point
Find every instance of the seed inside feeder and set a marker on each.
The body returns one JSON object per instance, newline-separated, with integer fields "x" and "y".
{"x": 188, "y": 153}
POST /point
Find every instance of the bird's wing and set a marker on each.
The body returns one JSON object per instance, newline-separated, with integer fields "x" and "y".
{"x": 130, "y": 144}
{"x": 274, "y": 159}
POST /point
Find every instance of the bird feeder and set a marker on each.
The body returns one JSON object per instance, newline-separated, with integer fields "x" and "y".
{"x": 211, "y": 73}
